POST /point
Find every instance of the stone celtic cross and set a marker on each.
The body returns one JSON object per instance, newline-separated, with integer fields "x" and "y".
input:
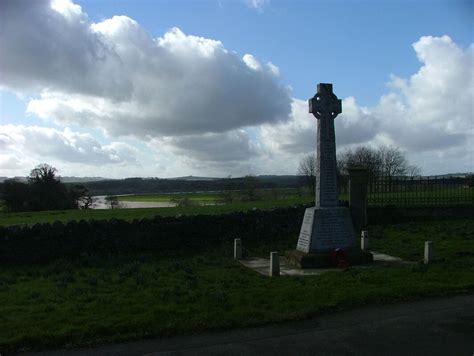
{"x": 325, "y": 106}
{"x": 326, "y": 226}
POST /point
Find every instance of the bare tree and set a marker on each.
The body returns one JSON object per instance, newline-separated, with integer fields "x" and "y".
{"x": 113, "y": 202}
{"x": 85, "y": 202}
{"x": 413, "y": 170}
{"x": 361, "y": 156}
{"x": 386, "y": 161}
{"x": 307, "y": 172}
{"x": 81, "y": 196}
{"x": 392, "y": 161}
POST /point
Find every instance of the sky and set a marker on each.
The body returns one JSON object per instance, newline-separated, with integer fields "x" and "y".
{"x": 220, "y": 87}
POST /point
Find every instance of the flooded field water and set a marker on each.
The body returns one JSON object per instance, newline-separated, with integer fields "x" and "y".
{"x": 99, "y": 202}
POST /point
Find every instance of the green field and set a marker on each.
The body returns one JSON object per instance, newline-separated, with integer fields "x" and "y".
{"x": 237, "y": 195}
{"x": 203, "y": 203}
{"x": 196, "y": 197}
{"x": 446, "y": 196}
{"x": 92, "y": 301}
{"x": 30, "y": 218}
{"x": 266, "y": 199}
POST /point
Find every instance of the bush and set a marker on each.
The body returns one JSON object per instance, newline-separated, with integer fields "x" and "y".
{"x": 43, "y": 191}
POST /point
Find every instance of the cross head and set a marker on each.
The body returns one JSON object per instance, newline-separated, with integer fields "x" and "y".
{"x": 325, "y": 102}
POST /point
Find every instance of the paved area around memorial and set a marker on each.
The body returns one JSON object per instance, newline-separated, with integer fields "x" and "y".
{"x": 262, "y": 265}
{"x": 432, "y": 327}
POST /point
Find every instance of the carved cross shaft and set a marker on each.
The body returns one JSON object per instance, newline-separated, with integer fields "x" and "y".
{"x": 325, "y": 106}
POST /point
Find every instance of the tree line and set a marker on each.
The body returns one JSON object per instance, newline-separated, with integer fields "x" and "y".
{"x": 161, "y": 185}
{"x": 43, "y": 190}
{"x": 383, "y": 161}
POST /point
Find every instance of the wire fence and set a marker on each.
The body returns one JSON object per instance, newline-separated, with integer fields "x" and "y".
{"x": 421, "y": 191}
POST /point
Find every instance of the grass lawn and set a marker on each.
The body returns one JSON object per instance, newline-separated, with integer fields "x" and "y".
{"x": 91, "y": 300}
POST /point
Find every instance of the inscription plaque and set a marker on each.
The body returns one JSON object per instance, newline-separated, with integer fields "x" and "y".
{"x": 306, "y": 229}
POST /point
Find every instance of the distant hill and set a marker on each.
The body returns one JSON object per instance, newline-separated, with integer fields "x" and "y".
{"x": 19, "y": 179}
{"x": 454, "y": 175}
{"x": 185, "y": 184}
{"x": 82, "y": 179}
{"x": 62, "y": 179}
{"x": 193, "y": 178}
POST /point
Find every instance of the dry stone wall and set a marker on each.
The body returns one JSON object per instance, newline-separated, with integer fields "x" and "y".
{"x": 46, "y": 242}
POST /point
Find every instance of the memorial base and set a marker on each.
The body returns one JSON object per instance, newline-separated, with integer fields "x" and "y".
{"x": 325, "y": 229}
{"x": 351, "y": 257}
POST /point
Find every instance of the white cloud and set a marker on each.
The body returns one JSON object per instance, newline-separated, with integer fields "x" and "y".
{"x": 295, "y": 136}
{"x": 257, "y": 4}
{"x": 114, "y": 75}
{"x": 42, "y": 47}
{"x": 252, "y": 62}
{"x": 298, "y": 136}
{"x": 429, "y": 115}
{"x": 230, "y": 146}
{"x": 66, "y": 8}
{"x": 33, "y": 144}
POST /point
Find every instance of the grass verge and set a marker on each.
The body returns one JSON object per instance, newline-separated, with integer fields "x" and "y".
{"x": 92, "y": 301}
{"x": 453, "y": 240}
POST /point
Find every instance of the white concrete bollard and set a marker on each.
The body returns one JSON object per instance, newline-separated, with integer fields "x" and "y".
{"x": 237, "y": 249}
{"x": 428, "y": 251}
{"x": 274, "y": 264}
{"x": 364, "y": 240}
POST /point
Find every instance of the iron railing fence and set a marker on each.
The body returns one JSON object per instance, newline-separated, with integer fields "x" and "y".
{"x": 421, "y": 191}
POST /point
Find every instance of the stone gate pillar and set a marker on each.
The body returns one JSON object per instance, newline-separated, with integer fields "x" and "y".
{"x": 358, "y": 196}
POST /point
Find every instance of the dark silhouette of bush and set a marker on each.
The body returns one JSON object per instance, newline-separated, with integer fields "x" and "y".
{"x": 43, "y": 191}
{"x": 15, "y": 195}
